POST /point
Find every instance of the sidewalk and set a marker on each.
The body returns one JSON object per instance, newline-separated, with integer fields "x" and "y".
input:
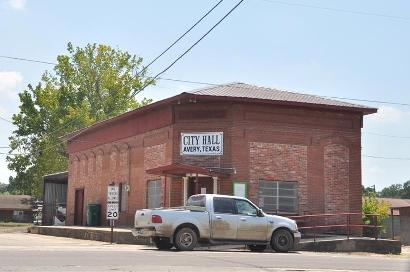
{"x": 120, "y": 235}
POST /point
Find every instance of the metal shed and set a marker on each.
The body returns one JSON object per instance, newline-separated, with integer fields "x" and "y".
{"x": 54, "y": 198}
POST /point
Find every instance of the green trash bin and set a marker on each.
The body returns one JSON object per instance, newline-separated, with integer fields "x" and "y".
{"x": 93, "y": 214}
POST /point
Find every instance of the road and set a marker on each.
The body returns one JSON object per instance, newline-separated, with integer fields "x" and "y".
{"x": 31, "y": 252}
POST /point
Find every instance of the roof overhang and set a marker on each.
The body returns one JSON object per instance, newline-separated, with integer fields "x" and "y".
{"x": 182, "y": 170}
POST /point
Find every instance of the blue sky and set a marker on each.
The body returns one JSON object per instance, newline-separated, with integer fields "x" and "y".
{"x": 264, "y": 42}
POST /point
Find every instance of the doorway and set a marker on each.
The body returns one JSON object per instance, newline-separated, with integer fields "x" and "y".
{"x": 79, "y": 207}
{"x": 204, "y": 185}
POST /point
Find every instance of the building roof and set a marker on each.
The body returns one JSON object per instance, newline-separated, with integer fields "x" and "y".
{"x": 239, "y": 92}
{"x": 396, "y": 202}
{"x": 178, "y": 169}
{"x": 15, "y": 202}
{"x": 242, "y": 90}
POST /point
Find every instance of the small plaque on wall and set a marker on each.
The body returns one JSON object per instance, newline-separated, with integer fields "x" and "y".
{"x": 240, "y": 189}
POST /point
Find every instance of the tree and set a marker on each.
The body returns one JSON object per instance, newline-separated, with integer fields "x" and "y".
{"x": 406, "y": 190}
{"x": 368, "y": 190}
{"x": 372, "y": 206}
{"x": 87, "y": 85}
{"x": 394, "y": 190}
{"x": 3, "y": 188}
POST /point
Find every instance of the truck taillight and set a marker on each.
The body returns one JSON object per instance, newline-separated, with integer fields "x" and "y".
{"x": 156, "y": 219}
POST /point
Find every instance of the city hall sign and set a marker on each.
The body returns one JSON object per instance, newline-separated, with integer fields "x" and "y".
{"x": 202, "y": 143}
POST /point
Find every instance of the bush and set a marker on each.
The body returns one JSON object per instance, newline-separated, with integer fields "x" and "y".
{"x": 371, "y": 205}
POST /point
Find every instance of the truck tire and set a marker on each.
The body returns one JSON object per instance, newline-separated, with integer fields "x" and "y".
{"x": 257, "y": 248}
{"x": 185, "y": 239}
{"x": 282, "y": 240}
{"x": 162, "y": 243}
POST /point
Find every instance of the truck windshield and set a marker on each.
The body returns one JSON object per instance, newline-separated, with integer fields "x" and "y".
{"x": 196, "y": 200}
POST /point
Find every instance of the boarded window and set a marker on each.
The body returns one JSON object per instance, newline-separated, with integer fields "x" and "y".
{"x": 123, "y": 188}
{"x": 154, "y": 194}
{"x": 278, "y": 196}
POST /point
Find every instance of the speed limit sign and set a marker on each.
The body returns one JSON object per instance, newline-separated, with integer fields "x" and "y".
{"x": 112, "y": 211}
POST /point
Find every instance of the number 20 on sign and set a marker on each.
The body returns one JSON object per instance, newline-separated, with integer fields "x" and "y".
{"x": 112, "y": 211}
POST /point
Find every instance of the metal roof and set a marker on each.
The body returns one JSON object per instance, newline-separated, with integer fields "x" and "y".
{"x": 15, "y": 202}
{"x": 242, "y": 90}
{"x": 238, "y": 92}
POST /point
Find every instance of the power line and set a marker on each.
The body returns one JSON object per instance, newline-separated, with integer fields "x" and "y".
{"x": 215, "y": 84}
{"x": 188, "y": 81}
{"x": 367, "y": 100}
{"x": 386, "y": 135}
{"x": 186, "y": 51}
{"x": 386, "y": 158}
{"x": 4, "y": 119}
{"x": 180, "y": 37}
{"x": 350, "y": 11}
{"x": 29, "y": 60}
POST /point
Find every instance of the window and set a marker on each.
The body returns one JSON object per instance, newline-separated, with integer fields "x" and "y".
{"x": 196, "y": 200}
{"x": 123, "y": 197}
{"x": 245, "y": 208}
{"x": 223, "y": 205}
{"x": 278, "y": 196}
{"x": 18, "y": 213}
{"x": 154, "y": 194}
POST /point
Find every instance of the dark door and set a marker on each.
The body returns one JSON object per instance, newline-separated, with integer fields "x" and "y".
{"x": 202, "y": 184}
{"x": 78, "y": 207}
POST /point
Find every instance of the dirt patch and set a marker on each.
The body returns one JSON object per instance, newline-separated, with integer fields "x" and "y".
{"x": 14, "y": 227}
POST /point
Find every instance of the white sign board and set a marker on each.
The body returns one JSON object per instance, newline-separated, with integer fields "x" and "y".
{"x": 239, "y": 189}
{"x": 112, "y": 211}
{"x": 202, "y": 143}
{"x": 113, "y": 193}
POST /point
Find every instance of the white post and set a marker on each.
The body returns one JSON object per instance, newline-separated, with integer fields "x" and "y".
{"x": 215, "y": 184}
{"x": 185, "y": 190}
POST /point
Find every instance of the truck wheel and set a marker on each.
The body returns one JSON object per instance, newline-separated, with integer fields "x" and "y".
{"x": 257, "y": 248}
{"x": 282, "y": 240}
{"x": 162, "y": 243}
{"x": 185, "y": 239}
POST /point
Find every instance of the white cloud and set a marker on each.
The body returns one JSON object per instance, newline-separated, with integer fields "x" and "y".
{"x": 5, "y": 173}
{"x": 387, "y": 114}
{"x": 9, "y": 80}
{"x": 16, "y": 4}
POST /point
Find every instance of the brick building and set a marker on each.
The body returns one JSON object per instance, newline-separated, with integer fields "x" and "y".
{"x": 289, "y": 153}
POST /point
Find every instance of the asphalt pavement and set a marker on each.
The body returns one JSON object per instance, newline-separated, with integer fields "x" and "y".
{"x": 31, "y": 252}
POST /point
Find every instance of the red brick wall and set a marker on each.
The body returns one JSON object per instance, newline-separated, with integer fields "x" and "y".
{"x": 319, "y": 149}
{"x": 278, "y": 162}
{"x": 120, "y": 162}
{"x": 336, "y": 174}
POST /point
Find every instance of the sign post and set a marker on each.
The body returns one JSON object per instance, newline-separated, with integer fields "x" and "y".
{"x": 113, "y": 199}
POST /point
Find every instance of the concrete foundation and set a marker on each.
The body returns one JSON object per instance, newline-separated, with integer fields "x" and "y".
{"x": 120, "y": 236}
{"x": 381, "y": 246}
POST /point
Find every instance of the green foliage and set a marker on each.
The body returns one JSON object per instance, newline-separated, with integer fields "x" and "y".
{"x": 368, "y": 190}
{"x": 371, "y": 205}
{"x": 394, "y": 190}
{"x": 87, "y": 85}
{"x": 3, "y": 188}
{"x": 406, "y": 190}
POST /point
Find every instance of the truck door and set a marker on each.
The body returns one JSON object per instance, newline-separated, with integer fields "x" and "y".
{"x": 224, "y": 221}
{"x": 251, "y": 227}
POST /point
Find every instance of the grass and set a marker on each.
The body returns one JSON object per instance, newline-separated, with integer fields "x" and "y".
{"x": 9, "y": 227}
{"x": 14, "y": 224}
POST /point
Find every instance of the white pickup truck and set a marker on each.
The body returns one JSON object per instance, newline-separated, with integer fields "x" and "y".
{"x": 216, "y": 219}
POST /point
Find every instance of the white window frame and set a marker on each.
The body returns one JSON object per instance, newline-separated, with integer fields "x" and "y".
{"x": 159, "y": 183}
{"x": 278, "y": 196}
